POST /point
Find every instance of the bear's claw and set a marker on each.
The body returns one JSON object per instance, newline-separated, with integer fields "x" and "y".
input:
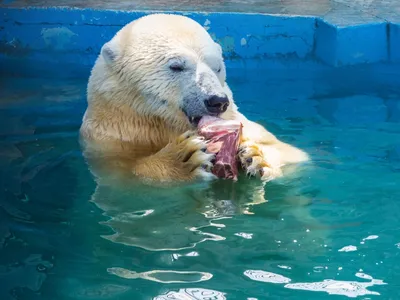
{"x": 192, "y": 152}
{"x": 254, "y": 162}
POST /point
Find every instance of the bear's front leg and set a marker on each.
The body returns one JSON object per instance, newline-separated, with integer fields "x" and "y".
{"x": 183, "y": 159}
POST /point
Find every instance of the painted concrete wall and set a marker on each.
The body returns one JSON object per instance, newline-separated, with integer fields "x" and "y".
{"x": 66, "y": 36}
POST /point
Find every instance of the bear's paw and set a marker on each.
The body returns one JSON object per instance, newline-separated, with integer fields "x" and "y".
{"x": 255, "y": 163}
{"x": 191, "y": 152}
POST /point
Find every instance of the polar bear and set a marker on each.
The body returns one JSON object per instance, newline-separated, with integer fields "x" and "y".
{"x": 147, "y": 91}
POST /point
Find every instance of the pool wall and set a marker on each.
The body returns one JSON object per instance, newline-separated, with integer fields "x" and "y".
{"x": 33, "y": 38}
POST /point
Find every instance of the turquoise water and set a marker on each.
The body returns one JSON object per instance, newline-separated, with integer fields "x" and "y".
{"x": 332, "y": 231}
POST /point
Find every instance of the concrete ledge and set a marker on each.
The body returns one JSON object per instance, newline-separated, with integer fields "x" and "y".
{"x": 76, "y": 35}
{"x": 394, "y": 42}
{"x": 352, "y": 45}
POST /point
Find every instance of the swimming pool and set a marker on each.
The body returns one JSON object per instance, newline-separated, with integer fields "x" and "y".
{"x": 328, "y": 233}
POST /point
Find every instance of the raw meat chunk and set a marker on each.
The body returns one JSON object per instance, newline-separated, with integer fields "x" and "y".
{"x": 223, "y": 139}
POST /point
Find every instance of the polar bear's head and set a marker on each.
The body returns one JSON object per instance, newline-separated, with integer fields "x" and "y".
{"x": 163, "y": 65}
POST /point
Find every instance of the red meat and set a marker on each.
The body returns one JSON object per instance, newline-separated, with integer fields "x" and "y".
{"x": 223, "y": 139}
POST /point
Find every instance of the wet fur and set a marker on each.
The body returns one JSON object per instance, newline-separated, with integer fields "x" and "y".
{"x": 134, "y": 122}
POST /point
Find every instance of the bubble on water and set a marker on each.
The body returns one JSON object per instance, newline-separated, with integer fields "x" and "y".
{"x": 318, "y": 269}
{"x": 177, "y": 255}
{"x": 371, "y": 237}
{"x": 244, "y": 235}
{"x": 348, "y": 249}
{"x": 284, "y": 267}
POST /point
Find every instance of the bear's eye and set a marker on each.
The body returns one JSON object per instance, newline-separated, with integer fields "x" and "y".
{"x": 177, "y": 67}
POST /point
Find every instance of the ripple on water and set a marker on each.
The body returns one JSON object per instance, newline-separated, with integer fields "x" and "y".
{"x": 350, "y": 289}
{"x": 150, "y": 241}
{"x": 264, "y": 276}
{"x": 163, "y": 276}
{"x": 102, "y": 291}
{"x": 128, "y": 217}
{"x": 192, "y": 294}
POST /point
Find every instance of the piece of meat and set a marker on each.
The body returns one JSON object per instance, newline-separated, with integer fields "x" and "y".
{"x": 223, "y": 138}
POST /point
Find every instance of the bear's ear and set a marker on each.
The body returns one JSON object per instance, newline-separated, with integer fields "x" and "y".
{"x": 109, "y": 52}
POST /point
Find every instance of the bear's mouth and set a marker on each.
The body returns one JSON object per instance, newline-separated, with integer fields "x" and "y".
{"x": 194, "y": 120}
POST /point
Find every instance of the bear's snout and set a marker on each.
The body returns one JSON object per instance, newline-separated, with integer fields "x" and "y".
{"x": 217, "y": 104}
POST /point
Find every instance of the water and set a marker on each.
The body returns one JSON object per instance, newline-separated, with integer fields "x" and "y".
{"x": 332, "y": 231}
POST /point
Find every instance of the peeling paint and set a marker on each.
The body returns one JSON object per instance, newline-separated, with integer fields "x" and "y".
{"x": 14, "y": 47}
{"x": 57, "y": 37}
{"x": 227, "y": 43}
{"x": 206, "y": 23}
{"x": 243, "y": 42}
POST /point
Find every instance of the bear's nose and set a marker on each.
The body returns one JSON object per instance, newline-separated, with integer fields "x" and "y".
{"x": 217, "y": 104}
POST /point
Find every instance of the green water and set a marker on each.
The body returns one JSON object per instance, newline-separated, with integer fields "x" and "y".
{"x": 331, "y": 231}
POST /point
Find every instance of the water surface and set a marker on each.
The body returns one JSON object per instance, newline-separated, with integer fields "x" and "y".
{"x": 332, "y": 231}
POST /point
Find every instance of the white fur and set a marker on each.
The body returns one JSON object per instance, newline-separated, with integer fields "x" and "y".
{"x": 132, "y": 88}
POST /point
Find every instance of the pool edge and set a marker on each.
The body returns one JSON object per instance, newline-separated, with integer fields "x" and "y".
{"x": 79, "y": 33}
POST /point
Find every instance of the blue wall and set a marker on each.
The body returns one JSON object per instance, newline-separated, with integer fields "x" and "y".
{"x": 75, "y": 36}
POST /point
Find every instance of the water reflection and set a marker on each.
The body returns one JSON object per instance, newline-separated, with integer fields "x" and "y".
{"x": 169, "y": 221}
{"x": 50, "y": 236}
{"x": 28, "y": 274}
{"x": 177, "y": 217}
